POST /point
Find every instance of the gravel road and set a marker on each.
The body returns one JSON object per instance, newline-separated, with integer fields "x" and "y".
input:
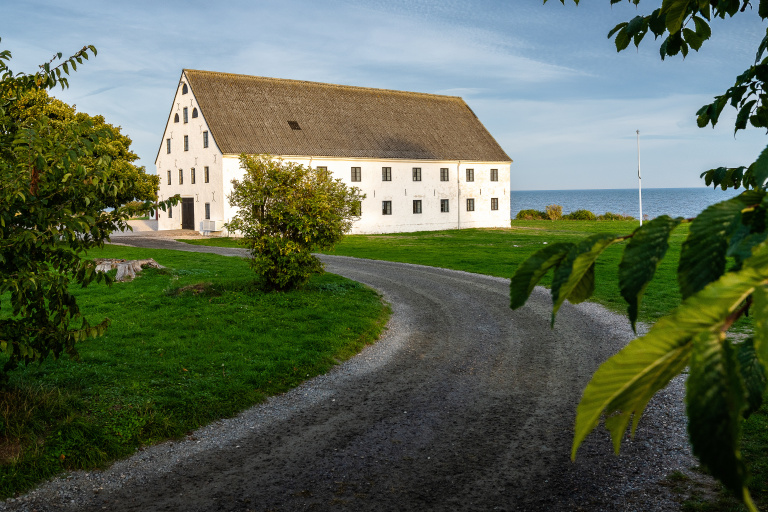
{"x": 462, "y": 405}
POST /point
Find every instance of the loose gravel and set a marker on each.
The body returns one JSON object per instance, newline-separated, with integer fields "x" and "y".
{"x": 462, "y": 405}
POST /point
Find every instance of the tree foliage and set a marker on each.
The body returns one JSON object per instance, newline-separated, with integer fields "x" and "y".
{"x": 60, "y": 195}
{"x": 286, "y": 211}
{"x": 727, "y": 378}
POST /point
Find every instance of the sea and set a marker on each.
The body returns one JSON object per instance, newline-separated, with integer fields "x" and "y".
{"x": 675, "y": 202}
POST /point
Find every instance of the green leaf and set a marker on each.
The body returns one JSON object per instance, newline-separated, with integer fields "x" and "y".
{"x": 675, "y": 12}
{"x": 702, "y": 258}
{"x": 752, "y": 374}
{"x": 715, "y": 400}
{"x": 762, "y": 9}
{"x": 641, "y": 258}
{"x": 617, "y": 28}
{"x": 622, "y": 40}
{"x": 693, "y": 39}
{"x": 759, "y": 312}
{"x": 530, "y": 272}
{"x": 623, "y": 385}
{"x": 760, "y": 169}
{"x": 743, "y": 115}
{"x": 702, "y": 28}
{"x": 577, "y": 263}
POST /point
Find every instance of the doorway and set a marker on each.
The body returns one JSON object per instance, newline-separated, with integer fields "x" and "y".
{"x": 187, "y": 213}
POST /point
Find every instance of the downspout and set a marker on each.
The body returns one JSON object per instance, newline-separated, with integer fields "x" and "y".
{"x": 458, "y": 194}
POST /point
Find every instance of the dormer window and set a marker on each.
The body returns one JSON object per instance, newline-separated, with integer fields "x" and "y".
{"x": 294, "y": 125}
{"x": 194, "y": 113}
{"x": 184, "y": 89}
{"x": 176, "y": 118}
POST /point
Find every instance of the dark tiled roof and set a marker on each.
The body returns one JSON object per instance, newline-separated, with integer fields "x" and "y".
{"x": 250, "y": 114}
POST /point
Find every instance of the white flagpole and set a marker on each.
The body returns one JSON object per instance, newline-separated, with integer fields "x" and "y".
{"x": 639, "y": 180}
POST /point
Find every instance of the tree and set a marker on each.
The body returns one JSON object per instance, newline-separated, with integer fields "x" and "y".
{"x": 726, "y": 378}
{"x": 286, "y": 211}
{"x": 60, "y": 196}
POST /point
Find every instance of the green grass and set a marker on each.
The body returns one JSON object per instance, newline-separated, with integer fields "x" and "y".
{"x": 189, "y": 344}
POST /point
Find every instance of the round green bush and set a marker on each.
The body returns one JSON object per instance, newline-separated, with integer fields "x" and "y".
{"x": 531, "y": 215}
{"x": 580, "y": 215}
{"x": 614, "y": 216}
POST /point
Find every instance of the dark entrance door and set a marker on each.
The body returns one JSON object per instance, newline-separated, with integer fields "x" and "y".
{"x": 187, "y": 213}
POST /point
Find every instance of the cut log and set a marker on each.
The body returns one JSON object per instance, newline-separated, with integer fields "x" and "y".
{"x": 126, "y": 269}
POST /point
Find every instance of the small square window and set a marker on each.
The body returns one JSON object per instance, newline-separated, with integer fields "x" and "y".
{"x": 470, "y": 205}
{"x": 386, "y": 174}
{"x": 181, "y": 176}
{"x": 444, "y": 174}
{"x": 169, "y": 176}
{"x": 207, "y": 211}
{"x": 386, "y": 207}
{"x": 417, "y": 206}
{"x": 205, "y": 139}
{"x": 167, "y": 145}
{"x": 417, "y": 174}
{"x": 186, "y": 143}
{"x": 294, "y": 125}
{"x": 186, "y": 115}
{"x": 444, "y": 205}
{"x": 494, "y": 175}
{"x": 192, "y": 175}
{"x": 470, "y": 175}
{"x": 356, "y": 174}
{"x": 494, "y": 203}
{"x": 207, "y": 176}
{"x": 322, "y": 168}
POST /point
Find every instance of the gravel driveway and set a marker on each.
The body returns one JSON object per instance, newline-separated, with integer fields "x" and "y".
{"x": 462, "y": 405}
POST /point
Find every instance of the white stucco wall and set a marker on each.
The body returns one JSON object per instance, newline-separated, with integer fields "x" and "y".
{"x": 197, "y": 157}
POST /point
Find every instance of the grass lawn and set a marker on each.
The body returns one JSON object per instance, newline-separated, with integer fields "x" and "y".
{"x": 189, "y": 344}
{"x": 497, "y": 252}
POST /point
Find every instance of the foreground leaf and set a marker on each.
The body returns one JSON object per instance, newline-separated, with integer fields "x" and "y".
{"x": 752, "y": 374}
{"x": 530, "y": 272}
{"x": 715, "y": 400}
{"x": 641, "y": 258}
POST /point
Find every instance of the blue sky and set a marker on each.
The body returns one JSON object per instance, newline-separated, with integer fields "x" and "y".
{"x": 544, "y": 79}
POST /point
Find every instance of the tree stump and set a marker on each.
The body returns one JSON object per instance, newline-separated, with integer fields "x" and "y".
{"x": 126, "y": 269}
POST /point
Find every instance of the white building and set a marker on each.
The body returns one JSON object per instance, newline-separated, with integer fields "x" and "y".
{"x": 424, "y": 161}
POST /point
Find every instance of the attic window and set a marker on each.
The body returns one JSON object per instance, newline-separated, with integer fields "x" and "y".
{"x": 176, "y": 118}
{"x": 184, "y": 89}
{"x": 294, "y": 125}
{"x": 194, "y": 112}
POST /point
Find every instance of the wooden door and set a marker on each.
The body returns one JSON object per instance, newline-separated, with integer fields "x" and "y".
{"x": 187, "y": 213}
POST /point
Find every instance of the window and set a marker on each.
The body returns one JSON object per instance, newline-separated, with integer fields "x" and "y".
{"x": 444, "y": 174}
{"x": 186, "y": 143}
{"x": 194, "y": 113}
{"x": 205, "y": 139}
{"x": 357, "y": 209}
{"x": 206, "y": 175}
{"x": 494, "y": 175}
{"x": 470, "y": 205}
{"x": 417, "y": 174}
{"x": 444, "y": 205}
{"x": 322, "y": 168}
{"x": 207, "y": 211}
{"x": 294, "y": 125}
{"x": 386, "y": 174}
{"x": 470, "y": 175}
{"x": 356, "y": 174}
{"x": 192, "y": 175}
{"x": 167, "y": 145}
{"x": 170, "y": 210}
{"x": 181, "y": 176}
{"x": 186, "y": 115}
{"x": 169, "y": 176}
{"x": 176, "y": 117}
{"x": 417, "y": 206}
{"x": 494, "y": 203}
{"x": 184, "y": 89}
{"x": 386, "y": 207}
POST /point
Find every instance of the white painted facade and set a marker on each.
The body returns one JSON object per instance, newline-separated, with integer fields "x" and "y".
{"x": 183, "y": 171}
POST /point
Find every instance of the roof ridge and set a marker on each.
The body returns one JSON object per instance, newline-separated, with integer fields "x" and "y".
{"x": 325, "y": 84}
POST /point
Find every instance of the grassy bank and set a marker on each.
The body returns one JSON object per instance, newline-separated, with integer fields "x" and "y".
{"x": 188, "y": 344}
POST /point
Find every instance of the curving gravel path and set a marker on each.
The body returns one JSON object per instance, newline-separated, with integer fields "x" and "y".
{"x": 462, "y": 405}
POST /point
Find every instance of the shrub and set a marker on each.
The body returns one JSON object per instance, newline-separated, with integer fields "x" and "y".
{"x": 580, "y": 215}
{"x": 554, "y": 212}
{"x": 614, "y": 216}
{"x": 531, "y": 215}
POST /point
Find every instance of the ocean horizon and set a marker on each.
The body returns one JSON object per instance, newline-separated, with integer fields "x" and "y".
{"x": 675, "y": 202}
